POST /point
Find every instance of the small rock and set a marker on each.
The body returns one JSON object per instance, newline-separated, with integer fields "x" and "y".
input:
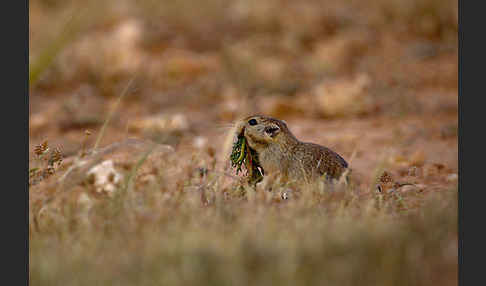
{"x": 105, "y": 54}
{"x": 200, "y": 142}
{"x": 452, "y": 178}
{"x": 160, "y": 123}
{"x": 105, "y": 178}
{"x": 344, "y": 97}
{"x": 420, "y": 187}
{"x": 287, "y": 194}
{"x": 179, "y": 121}
{"x": 38, "y": 121}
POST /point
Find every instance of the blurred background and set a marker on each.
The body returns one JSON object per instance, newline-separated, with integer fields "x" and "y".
{"x": 374, "y": 80}
{"x": 211, "y": 63}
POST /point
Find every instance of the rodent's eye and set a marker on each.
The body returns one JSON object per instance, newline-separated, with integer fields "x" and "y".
{"x": 252, "y": 122}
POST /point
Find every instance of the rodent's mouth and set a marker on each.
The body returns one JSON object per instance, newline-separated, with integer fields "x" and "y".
{"x": 253, "y": 152}
{"x": 241, "y": 133}
{"x": 243, "y": 153}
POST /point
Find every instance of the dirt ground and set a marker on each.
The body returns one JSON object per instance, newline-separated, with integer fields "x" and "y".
{"x": 376, "y": 81}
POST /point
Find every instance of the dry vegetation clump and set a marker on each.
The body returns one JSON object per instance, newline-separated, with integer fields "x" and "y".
{"x": 45, "y": 163}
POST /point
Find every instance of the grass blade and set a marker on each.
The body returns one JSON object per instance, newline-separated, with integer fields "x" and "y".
{"x": 110, "y": 115}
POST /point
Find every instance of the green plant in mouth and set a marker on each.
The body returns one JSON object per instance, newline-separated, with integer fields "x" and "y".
{"x": 243, "y": 154}
{"x": 238, "y": 153}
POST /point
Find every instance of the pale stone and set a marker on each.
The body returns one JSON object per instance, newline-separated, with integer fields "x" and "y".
{"x": 106, "y": 177}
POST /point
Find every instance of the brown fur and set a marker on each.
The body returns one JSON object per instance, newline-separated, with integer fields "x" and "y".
{"x": 279, "y": 151}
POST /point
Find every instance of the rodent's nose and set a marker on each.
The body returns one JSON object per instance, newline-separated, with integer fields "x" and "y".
{"x": 271, "y": 130}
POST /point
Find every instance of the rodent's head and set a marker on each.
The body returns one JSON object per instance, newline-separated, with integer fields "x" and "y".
{"x": 261, "y": 131}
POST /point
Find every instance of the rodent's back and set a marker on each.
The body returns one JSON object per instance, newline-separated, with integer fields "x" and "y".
{"x": 316, "y": 160}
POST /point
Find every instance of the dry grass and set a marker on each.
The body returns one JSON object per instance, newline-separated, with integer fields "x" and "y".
{"x": 199, "y": 228}
{"x": 176, "y": 240}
